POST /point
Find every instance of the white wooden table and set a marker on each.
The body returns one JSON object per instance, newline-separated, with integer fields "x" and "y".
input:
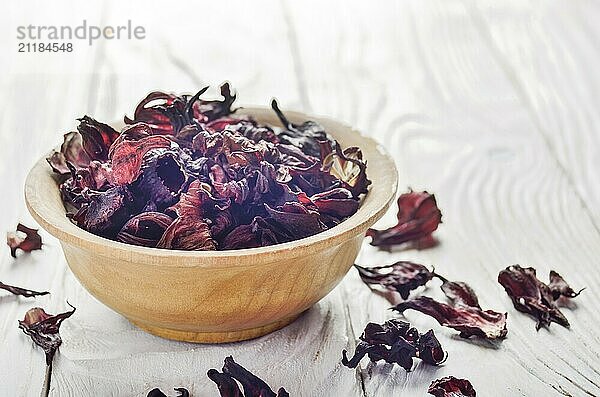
{"x": 492, "y": 106}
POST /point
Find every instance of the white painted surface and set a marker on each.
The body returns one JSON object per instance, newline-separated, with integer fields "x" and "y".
{"x": 493, "y": 107}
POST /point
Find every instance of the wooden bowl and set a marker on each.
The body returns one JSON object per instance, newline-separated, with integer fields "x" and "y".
{"x": 217, "y": 296}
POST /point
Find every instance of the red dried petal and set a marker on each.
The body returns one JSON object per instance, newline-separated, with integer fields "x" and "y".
{"x": 71, "y": 151}
{"x": 530, "y": 295}
{"x": 459, "y": 293}
{"x": 25, "y": 239}
{"x": 145, "y": 229}
{"x": 451, "y": 387}
{"x": 418, "y": 217}
{"x": 127, "y": 157}
{"x": 187, "y": 233}
{"x": 96, "y": 138}
{"x": 401, "y": 277}
{"x": 470, "y": 321}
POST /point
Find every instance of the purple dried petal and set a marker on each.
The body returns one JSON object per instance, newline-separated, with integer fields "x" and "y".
{"x": 397, "y": 342}
{"x": 105, "y": 213}
{"x": 127, "y": 157}
{"x": 252, "y": 385}
{"x": 459, "y": 293}
{"x": 259, "y": 233}
{"x": 145, "y": 229}
{"x": 181, "y": 392}
{"x": 401, "y": 277}
{"x": 296, "y": 219}
{"x": 451, "y": 387}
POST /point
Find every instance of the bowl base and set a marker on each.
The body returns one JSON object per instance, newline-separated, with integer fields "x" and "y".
{"x": 215, "y": 337}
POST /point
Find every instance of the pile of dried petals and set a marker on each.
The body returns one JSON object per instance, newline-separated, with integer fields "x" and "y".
{"x": 463, "y": 313}
{"x": 395, "y": 341}
{"x": 186, "y": 173}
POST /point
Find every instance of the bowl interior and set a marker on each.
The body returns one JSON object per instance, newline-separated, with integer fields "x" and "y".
{"x": 45, "y": 204}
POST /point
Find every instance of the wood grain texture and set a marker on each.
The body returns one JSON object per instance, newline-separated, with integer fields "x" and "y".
{"x": 492, "y": 106}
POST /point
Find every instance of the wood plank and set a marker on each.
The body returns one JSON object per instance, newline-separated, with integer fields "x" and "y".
{"x": 423, "y": 80}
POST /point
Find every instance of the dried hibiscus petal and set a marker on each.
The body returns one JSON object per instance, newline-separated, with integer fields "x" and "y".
{"x": 261, "y": 232}
{"x": 559, "y": 287}
{"x": 451, "y": 387}
{"x": 252, "y": 385}
{"x": 187, "y": 233}
{"x": 106, "y": 212}
{"x": 127, "y": 157}
{"x": 401, "y": 277}
{"x": 43, "y": 329}
{"x": 71, "y": 151}
{"x": 25, "y": 239}
{"x": 464, "y": 314}
{"x": 21, "y": 291}
{"x": 395, "y": 341}
{"x": 145, "y": 229}
{"x": 96, "y": 137}
{"x": 348, "y": 166}
{"x": 299, "y": 220}
{"x": 306, "y": 136}
{"x": 532, "y": 296}
{"x": 470, "y": 321}
{"x": 418, "y": 217}
{"x": 181, "y": 392}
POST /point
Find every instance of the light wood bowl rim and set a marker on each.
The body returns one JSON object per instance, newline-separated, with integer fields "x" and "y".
{"x": 41, "y": 181}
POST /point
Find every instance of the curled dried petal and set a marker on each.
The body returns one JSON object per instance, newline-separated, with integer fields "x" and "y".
{"x": 559, "y": 287}
{"x": 470, "y": 321}
{"x": 25, "y": 239}
{"x": 306, "y": 136}
{"x": 418, "y": 217}
{"x": 459, "y": 293}
{"x": 395, "y": 341}
{"x": 105, "y": 213}
{"x": 145, "y": 229}
{"x": 451, "y": 387}
{"x": 96, "y": 137}
{"x": 187, "y": 233}
{"x": 127, "y": 157}
{"x": 530, "y": 295}
{"x": 43, "y": 329}
{"x": 252, "y": 385}
{"x": 401, "y": 277}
